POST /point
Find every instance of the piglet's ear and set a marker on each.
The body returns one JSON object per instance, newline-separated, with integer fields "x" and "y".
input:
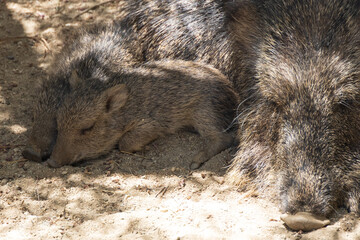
{"x": 116, "y": 97}
{"x": 74, "y": 79}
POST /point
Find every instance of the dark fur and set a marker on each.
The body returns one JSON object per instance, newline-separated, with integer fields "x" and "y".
{"x": 301, "y": 132}
{"x": 192, "y": 30}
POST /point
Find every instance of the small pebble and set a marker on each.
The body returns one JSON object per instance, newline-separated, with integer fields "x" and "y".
{"x": 20, "y": 164}
{"x": 87, "y": 170}
{"x": 13, "y": 85}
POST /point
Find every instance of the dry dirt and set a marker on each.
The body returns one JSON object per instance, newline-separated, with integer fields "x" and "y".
{"x": 151, "y": 195}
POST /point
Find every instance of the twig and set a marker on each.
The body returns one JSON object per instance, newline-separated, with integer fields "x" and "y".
{"x": 22, "y": 160}
{"x": 45, "y": 43}
{"x": 93, "y": 7}
{"x": 11, "y": 146}
{"x": 118, "y": 165}
{"x": 162, "y": 191}
{"x": 37, "y": 193}
{"x": 133, "y": 154}
{"x": 17, "y": 38}
{"x": 36, "y": 39}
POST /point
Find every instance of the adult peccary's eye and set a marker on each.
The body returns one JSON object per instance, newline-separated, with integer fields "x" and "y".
{"x": 86, "y": 130}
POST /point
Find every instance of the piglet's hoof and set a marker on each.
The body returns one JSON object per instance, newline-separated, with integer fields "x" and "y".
{"x": 30, "y": 154}
{"x": 304, "y": 221}
{"x": 194, "y": 165}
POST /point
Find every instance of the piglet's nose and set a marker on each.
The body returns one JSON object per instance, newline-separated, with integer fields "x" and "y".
{"x": 32, "y": 155}
{"x": 304, "y": 221}
{"x": 52, "y": 163}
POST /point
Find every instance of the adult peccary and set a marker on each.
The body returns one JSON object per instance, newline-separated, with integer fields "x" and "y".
{"x": 300, "y": 133}
{"x": 139, "y": 105}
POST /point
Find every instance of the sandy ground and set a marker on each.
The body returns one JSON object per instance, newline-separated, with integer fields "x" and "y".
{"x": 150, "y": 195}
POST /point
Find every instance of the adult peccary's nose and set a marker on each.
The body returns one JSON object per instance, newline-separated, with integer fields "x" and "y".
{"x": 31, "y": 154}
{"x": 304, "y": 221}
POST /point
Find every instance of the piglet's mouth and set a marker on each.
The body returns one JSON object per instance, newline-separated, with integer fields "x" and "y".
{"x": 52, "y": 163}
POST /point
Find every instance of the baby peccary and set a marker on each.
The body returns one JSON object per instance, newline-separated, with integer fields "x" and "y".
{"x": 142, "y": 104}
{"x": 95, "y": 53}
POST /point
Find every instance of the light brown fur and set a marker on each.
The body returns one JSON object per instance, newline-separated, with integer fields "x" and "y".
{"x": 142, "y": 104}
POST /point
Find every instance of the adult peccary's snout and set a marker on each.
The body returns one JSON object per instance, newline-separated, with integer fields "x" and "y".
{"x": 306, "y": 153}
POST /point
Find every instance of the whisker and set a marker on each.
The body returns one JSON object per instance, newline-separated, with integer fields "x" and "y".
{"x": 235, "y": 120}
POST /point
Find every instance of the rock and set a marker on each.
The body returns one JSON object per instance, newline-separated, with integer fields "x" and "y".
{"x": 304, "y": 221}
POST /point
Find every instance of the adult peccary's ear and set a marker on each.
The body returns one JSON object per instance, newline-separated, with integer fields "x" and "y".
{"x": 244, "y": 22}
{"x": 74, "y": 79}
{"x": 115, "y": 97}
